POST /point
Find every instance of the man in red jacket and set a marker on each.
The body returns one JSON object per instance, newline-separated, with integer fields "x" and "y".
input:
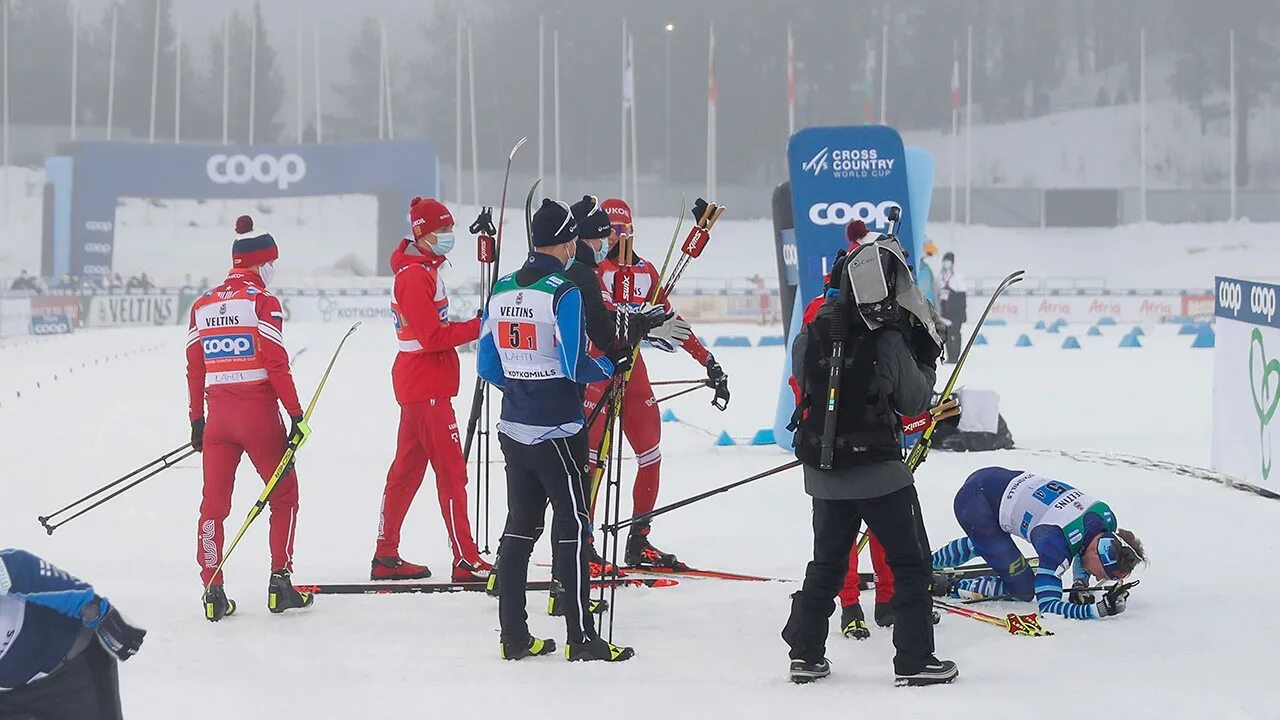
{"x": 641, "y": 422}
{"x": 237, "y": 360}
{"x": 425, "y": 378}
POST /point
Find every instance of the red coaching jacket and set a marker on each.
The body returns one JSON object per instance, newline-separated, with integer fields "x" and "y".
{"x": 235, "y": 346}
{"x": 427, "y": 366}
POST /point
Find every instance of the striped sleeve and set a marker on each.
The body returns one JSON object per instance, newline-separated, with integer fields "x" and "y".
{"x": 195, "y": 370}
{"x": 575, "y": 362}
{"x": 1049, "y": 598}
{"x": 954, "y": 554}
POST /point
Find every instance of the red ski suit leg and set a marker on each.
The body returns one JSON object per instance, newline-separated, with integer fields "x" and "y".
{"x": 642, "y": 426}
{"x": 428, "y": 434}
{"x": 235, "y": 427}
{"x": 849, "y": 594}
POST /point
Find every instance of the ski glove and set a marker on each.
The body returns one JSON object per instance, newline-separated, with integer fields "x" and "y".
{"x": 118, "y": 636}
{"x": 621, "y": 359}
{"x": 1112, "y": 602}
{"x": 298, "y": 432}
{"x": 719, "y": 381}
{"x": 197, "y": 434}
{"x": 664, "y": 329}
{"x": 1080, "y": 594}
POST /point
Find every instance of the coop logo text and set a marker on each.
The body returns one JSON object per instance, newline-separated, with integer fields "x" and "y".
{"x": 281, "y": 171}
{"x": 840, "y": 213}
{"x": 227, "y": 346}
{"x": 856, "y": 163}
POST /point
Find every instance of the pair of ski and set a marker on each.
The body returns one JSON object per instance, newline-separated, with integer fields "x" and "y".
{"x": 431, "y": 588}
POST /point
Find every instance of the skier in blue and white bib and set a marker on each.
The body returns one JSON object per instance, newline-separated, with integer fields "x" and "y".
{"x": 1068, "y": 528}
{"x": 533, "y": 346}
{"x": 59, "y": 643}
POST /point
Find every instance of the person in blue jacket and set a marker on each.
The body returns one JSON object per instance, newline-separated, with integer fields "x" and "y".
{"x": 59, "y": 643}
{"x": 533, "y": 346}
{"x": 1068, "y": 528}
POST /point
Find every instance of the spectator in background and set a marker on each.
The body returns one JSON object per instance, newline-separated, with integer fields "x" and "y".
{"x": 762, "y": 291}
{"x": 25, "y": 283}
{"x": 133, "y": 283}
{"x": 144, "y": 283}
{"x": 925, "y": 276}
{"x": 116, "y": 283}
{"x": 951, "y": 298}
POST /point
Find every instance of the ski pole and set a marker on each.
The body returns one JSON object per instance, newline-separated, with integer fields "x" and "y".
{"x": 1026, "y": 625}
{"x": 686, "y": 391}
{"x": 702, "y": 381}
{"x": 284, "y": 466}
{"x": 165, "y": 462}
{"x": 702, "y": 496}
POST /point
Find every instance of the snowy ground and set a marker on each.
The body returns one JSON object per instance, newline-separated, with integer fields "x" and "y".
{"x": 1189, "y": 647}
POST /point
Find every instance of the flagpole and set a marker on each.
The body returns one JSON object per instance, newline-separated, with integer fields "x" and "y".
{"x": 1142, "y": 124}
{"x": 457, "y": 124}
{"x": 177, "y": 84}
{"x": 253, "y": 74}
{"x": 475, "y": 151}
{"x": 75, "y": 61}
{"x": 111, "y": 70}
{"x": 382, "y": 84}
{"x": 297, "y": 37}
{"x": 226, "y": 78}
{"x": 542, "y": 75}
{"x": 711, "y": 112}
{"x": 635, "y": 165}
{"x": 884, "y": 72}
{"x": 968, "y": 131}
{"x": 4, "y": 99}
{"x": 155, "y": 71}
{"x": 955, "y": 129}
{"x": 315, "y": 75}
{"x": 1231, "y": 71}
{"x": 555, "y": 100}
{"x": 386, "y": 80}
{"x": 623, "y": 144}
{"x": 791, "y": 84}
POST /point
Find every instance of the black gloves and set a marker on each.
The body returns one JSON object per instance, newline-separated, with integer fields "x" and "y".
{"x": 621, "y": 359}
{"x": 718, "y": 381}
{"x": 655, "y": 316}
{"x": 298, "y": 432}
{"x": 114, "y": 632}
{"x": 1080, "y": 594}
{"x": 484, "y": 223}
{"x": 197, "y": 434}
{"x": 1113, "y": 601}
{"x": 923, "y": 347}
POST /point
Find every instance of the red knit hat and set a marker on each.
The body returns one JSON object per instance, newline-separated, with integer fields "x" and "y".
{"x": 428, "y": 215}
{"x": 617, "y": 210}
{"x": 854, "y": 232}
{"x": 252, "y": 247}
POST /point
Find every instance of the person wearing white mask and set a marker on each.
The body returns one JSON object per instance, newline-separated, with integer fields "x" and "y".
{"x": 425, "y": 380}
{"x": 952, "y": 295}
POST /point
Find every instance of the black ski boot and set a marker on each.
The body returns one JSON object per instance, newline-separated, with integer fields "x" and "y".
{"x": 597, "y": 648}
{"x": 853, "y": 623}
{"x": 217, "y": 605}
{"x": 599, "y": 567}
{"x": 935, "y": 672}
{"x": 641, "y": 553}
{"x": 532, "y": 647}
{"x": 803, "y": 671}
{"x": 282, "y": 595}
{"x": 556, "y": 603}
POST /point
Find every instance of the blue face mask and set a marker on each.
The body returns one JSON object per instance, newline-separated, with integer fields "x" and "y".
{"x": 444, "y": 243}
{"x": 602, "y": 253}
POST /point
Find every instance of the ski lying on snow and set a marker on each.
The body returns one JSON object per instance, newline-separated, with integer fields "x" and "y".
{"x": 388, "y": 588}
{"x": 868, "y": 580}
{"x": 699, "y": 573}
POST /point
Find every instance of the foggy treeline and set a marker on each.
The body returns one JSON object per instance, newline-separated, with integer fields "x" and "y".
{"x": 1030, "y": 59}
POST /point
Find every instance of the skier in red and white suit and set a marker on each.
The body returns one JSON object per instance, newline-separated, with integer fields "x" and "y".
{"x": 236, "y": 360}
{"x": 641, "y": 422}
{"x": 425, "y": 379}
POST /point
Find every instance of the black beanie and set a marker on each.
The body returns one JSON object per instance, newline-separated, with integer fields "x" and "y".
{"x": 553, "y": 224}
{"x": 593, "y": 223}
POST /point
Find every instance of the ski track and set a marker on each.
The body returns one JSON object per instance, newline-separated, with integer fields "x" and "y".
{"x": 1193, "y": 643}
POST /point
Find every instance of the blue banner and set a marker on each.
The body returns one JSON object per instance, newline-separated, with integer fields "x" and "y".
{"x": 838, "y": 175}
{"x": 1246, "y": 301}
{"x": 106, "y": 171}
{"x": 50, "y": 322}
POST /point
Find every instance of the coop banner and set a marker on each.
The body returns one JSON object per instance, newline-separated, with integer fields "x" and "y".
{"x": 1246, "y": 382}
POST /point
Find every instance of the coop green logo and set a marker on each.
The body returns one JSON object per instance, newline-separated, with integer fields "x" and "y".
{"x": 1264, "y": 381}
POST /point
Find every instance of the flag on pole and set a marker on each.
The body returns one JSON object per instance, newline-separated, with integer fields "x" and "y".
{"x": 869, "y": 83}
{"x": 791, "y": 83}
{"x": 955, "y": 77}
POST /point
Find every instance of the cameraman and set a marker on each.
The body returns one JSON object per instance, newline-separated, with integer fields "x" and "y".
{"x": 888, "y": 369}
